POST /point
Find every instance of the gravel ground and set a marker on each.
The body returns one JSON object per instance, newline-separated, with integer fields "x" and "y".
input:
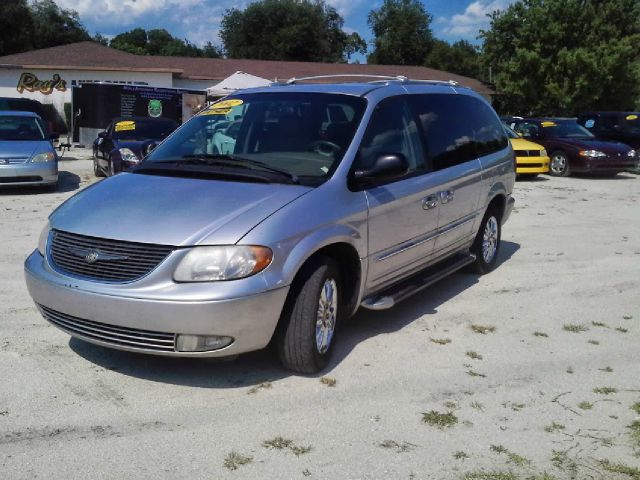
{"x": 529, "y": 371}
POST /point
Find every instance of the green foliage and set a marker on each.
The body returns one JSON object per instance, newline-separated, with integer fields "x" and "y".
{"x": 295, "y": 30}
{"x": 16, "y": 27}
{"x": 55, "y": 26}
{"x": 402, "y": 33}
{"x": 558, "y": 57}
{"x": 460, "y": 57}
{"x": 160, "y": 42}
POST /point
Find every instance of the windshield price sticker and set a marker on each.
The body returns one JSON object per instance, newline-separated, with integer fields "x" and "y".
{"x": 632, "y": 117}
{"x": 232, "y": 102}
{"x": 123, "y": 126}
{"x": 217, "y": 111}
{"x": 549, "y": 124}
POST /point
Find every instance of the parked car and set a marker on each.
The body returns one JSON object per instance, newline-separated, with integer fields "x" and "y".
{"x": 126, "y": 141}
{"x": 194, "y": 254}
{"x": 623, "y": 127}
{"x": 572, "y": 148}
{"x": 47, "y": 112}
{"x": 531, "y": 158}
{"x": 27, "y": 156}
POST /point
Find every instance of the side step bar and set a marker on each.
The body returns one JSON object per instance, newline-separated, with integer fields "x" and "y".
{"x": 396, "y": 293}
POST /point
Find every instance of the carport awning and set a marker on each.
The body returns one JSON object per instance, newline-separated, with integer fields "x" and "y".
{"x": 235, "y": 82}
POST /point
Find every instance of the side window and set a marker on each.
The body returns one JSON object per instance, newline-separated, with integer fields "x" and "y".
{"x": 391, "y": 129}
{"x": 609, "y": 122}
{"x": 488, "y": 133}
{"x": 527, "y": 129}
{"x": 448, "y": 133}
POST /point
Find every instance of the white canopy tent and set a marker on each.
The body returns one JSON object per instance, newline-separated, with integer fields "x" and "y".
{"x": 235, "y": 82}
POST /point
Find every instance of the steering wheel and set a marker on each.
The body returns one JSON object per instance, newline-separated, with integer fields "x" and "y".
{"x": 324, "y": 147}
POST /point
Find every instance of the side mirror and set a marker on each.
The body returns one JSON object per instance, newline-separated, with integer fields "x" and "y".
{"x": 102, "y": 135}
{"x": 387, "y": 166}
{"x": 54, "y": 136}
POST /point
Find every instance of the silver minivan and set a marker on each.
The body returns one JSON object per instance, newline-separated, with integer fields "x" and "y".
{"x": 325, "y": 198}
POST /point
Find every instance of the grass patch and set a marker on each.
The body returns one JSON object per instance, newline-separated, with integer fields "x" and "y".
{"x": 554, "y": 427}
{"x": 593, "y": 342}
{"x": 460, "y": 455}
{"x": 473, "y": 373}
{"x": 605, "y": 390}
{"x": 606, "y": 369}
{"x": 599, "y": 324}
{"x": 235, "y": 460}
{"x": 569, "y": 369}
{"x": 631, "y": 472}
{"x": 483, "y": 329}
{"x": 439, "y": 419}
{"x": 489, "y": 476}
{"x": 561, "y": 461}
{"x": 478, "y": 406}
{"x": 277, "y": 443}
{"x": 298, "y": 450}
{"x": 451, "y": 405}
{"x": 398, "y": 447}
{"x": 262, "y": 386}
{"x": 328, "y": 381}
{"x": 575, "y": 327}
{"x": 635, "y": 432}
{"x": 621, "y": 330}
{"x": 540, "y": 334}
{"x": 513, "y": 458}
{"x": 585, "y": 405}
{"x": 474, "y": 355}
{"x": 440, "y": 341}
{"x": 627, "y": 317}
{"x": 636, "y": 407}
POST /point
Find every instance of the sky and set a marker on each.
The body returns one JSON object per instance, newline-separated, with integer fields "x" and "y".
{"x": 199, "y": 20}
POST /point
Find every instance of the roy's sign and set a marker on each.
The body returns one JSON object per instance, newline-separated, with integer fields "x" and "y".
{"x": 31, "y": 83}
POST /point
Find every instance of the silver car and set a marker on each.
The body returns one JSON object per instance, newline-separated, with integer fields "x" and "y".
{"x": 27, "y": 156}
{"x": 335, "y": 197}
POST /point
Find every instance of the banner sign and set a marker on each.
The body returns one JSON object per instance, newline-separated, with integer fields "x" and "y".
{"x": 31, "y": 83}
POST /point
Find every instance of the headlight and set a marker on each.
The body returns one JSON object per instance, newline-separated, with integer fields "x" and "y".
{"x": 592, "y": 153}
{"x": 543, "y": 153}
{"x": 631, "y": 153}
{"x": 207, "y": 264}
{"x": 42, "y": 241}
{"x": 128, "y": 156}
{"x": 43, "y": 157}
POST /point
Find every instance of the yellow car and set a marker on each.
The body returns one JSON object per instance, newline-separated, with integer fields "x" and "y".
{"x": 531, "y": 158}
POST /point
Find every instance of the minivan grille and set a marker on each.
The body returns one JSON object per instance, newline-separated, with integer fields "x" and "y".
{"x": 103, "y": 259}
{"x": 114, "y": 335}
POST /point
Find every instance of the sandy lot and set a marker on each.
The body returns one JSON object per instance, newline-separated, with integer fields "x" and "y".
{"x": 531, "y": 372}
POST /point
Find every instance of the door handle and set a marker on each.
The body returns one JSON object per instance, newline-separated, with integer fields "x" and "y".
{"x": 446, "y": 196}
{"x": 430, "y": 202}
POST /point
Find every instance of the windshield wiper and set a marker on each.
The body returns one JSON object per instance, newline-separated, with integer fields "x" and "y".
{"x": 235, "y": 161}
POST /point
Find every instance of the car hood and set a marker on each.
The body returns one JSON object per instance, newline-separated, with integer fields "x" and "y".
{"x": 170, "y": 210}
{"x": 522, "y": 144}
{"x": 595, "y": 144}
{"x": 16, "y": 149}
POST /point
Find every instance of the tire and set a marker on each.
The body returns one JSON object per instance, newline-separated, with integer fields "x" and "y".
{"x": 96, "y": 169}
{"x": 486, "y": 246}
{"x": 304, "y": 341}
{"x": 559, "y": 165}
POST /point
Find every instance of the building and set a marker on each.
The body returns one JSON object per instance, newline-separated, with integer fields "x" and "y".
{"x": 49, "y": 74}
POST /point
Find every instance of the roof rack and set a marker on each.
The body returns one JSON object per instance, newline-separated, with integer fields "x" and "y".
{"x": 379, "y": 79}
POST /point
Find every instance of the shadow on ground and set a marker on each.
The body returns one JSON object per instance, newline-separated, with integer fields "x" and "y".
{"x": 257, "y": 367}
{"x": 67, "y": 182}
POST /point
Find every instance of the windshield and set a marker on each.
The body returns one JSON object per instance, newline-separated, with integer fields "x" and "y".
{"x": 564, "y": 129}
{"x": 19, "y": 128}
{"x": 304, "y": 135}
{"x": 143, "y": 129}
{"x": 631, "y": 124}
{"x": 510, "y": 132}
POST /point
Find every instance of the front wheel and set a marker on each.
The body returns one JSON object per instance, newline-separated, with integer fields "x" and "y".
{"x": 310, "y": 318}
{"x": 559, "y": 165}
{"x": 487, "y": 243}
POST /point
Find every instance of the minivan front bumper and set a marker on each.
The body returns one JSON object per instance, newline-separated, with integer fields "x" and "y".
{"x": 149, "y": 325}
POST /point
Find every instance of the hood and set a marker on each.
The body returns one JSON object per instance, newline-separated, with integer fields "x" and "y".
{"x": 522, "y": 144}
{"x": 171, "y": 211}
{"x": 26, "y": 148}
{"x": 604, "y": 146}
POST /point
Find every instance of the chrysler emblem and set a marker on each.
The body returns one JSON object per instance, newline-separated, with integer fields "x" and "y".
{"x": 91, "y": 257}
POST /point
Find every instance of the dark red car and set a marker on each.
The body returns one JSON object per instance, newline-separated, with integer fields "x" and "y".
{"x": 572, "y": 148}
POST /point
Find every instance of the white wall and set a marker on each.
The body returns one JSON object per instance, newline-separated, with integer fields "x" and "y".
{"x": 193, "y": 84}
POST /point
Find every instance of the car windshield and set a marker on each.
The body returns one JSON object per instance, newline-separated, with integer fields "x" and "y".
{"x": 631, "y": 124}
{"x": 564, "y": 129}
{"x": 21, "y": 128}
{"x": 143, "y": 129}
{"x": 300, "y": 135}
{"x": 510, "y": 132}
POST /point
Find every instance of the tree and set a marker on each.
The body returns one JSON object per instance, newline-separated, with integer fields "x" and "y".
{"x": 16, "y": 27}
{"x": 101, "y": 39}
{"x": 460, "y": 57}
{"x": 55, "y": 26}
{"x": 558, "y": 57}
{"x": 302, "y": 30}
{"x": 160, "y": 42}
{"x": 402, "y": 33}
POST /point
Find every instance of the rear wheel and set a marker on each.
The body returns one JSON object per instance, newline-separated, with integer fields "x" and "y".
{"x": 559, "y": 165}
{"x": 310, "y": 318}
{"x": 487, "y": 243}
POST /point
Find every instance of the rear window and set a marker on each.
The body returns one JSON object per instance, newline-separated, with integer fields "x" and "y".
{"x": 20, "y": 128}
